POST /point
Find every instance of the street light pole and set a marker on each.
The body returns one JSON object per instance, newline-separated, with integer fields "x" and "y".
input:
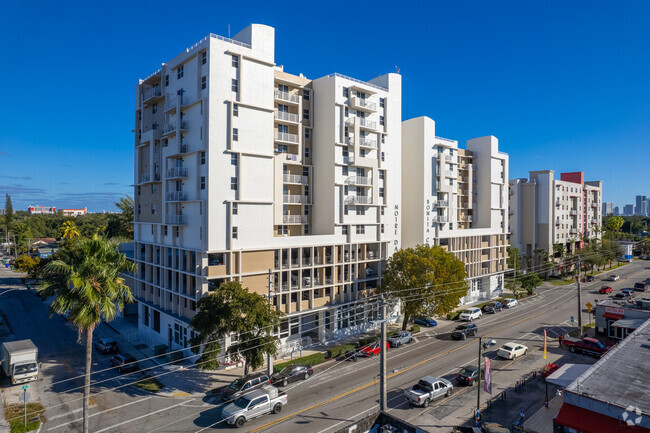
{"x": 382, "y": 360}
{"x": 269, "y": 358}
{"x": 478, "y": 383}
{"x": 579, "y": 299}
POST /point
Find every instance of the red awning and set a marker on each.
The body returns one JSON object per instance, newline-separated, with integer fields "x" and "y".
{"x": 586, "y": 421}
{"x": 613, "y": 316}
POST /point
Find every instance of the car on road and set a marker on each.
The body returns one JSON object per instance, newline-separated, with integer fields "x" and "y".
{"x": 639, "y": 286}
{"x": 605, "y": 289}
{"x": 124, "y": 362}
{"x": 613, "y": 278}
{"x": 372, "y": 349}
{"x": 428, "y": 389}
{"x": 470, "y": 314}
{"x": 588, "y": 345}
{"x": 241, "y": 385}
{"x": 399, "y": 338}
{"x": 509, "y": 302}
{"x": 468, "y": 375}
{"x": 465, "y": 330}
{"x": 106, "y": 345}
{"x": 628, "y": 292}
{"x": 590, "y": 278}
{"x": 621, "y": 295}
{"x": 493, "y": 307}
{"x": 512, "y": 350}
{"x": 254, "y": 404}
{"x": 425, "y": 321}
{"x": 290, "y": 374}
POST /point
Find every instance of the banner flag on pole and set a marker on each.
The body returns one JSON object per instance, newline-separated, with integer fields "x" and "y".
{"x": 487, "y": 382}
{"x": 545, "y": 344}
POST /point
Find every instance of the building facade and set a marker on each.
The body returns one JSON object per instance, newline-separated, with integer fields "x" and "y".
{"x": 74, "y": 212}
{"x": 608, "y": 208}
{"x": 246, "y": 172}
{"x": 456, "y": 198}
{"x": 641, "y": 205}
{"x": 41, "y": 210}
{"x": 628, "y": 210}
{"x": 545, "y": 211}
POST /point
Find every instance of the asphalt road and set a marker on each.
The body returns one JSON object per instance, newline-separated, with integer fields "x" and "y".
{"x": 333, "y": 397}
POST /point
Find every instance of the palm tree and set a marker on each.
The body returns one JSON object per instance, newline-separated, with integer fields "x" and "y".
{"x": 86, "y": 281}
{"x": 70, "y": 231}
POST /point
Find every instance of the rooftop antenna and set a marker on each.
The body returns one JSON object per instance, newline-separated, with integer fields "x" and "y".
{"x": 228, "y": 31}
{"x": 396, "y": 69}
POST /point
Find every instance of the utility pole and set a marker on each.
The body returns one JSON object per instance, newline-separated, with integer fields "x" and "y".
{"x": 269, "y": 358}
{"x": 478, "y": 383}
{"x": 382, "y": 360}
{"x": 579, "y": 299}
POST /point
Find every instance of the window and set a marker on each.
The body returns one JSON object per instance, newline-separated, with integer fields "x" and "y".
{"x": 305, "y": 95}
{"x": 346, "y": 190}
{"x": 153, "y": 188}
{"x": 167, "y": 80}
{"x": 138, "y": 209}
{"x": 204, "y": 57}
{"x": 202, "y": 182}
{"x": 153, "y": 209}
{"x": 345, "y": 170}
{"x": 306, "y": 229}
{"x": 382, "y": 102}
{"x": 382, "y": 211}
{"x": 235, "y": 134}
{"x": 347, "y": 112}
{"x": 203, "y": 157}
{"x": 381, "y": 120}
{"x": 383, "y": 139}
{"x": 382, "y": 156}
{"x": 346, "y": 93}
{"x": 204, "y": 82}
{"x": 361, "y": 210}
{"x": 361, "y": 230}
{"x": 138, "y": 190}
{"x": 306, "y": 152}
{"x": 235, "y": 232}
{"x": 306, "y": 210}
{"x": 234, "y": 158}
{"x": 381, "y": 174}
{"x": 179, "y": 73}
{"x": 381, "y": 192}
{"x": 283, "y": 230}
{"x": 235, "y": 61}
{"x": 305, "y": 114}
{"x": 235, "y": 110}
{"x": 345, "y": 210}
{"x": 235, "y": 85}
{"x": 233, "y": 183}
{"x": 345, "y": 230}
{"x": 154, "y": 108}
{"x": 382, "y": 228}
{"x": 235, "y": 209}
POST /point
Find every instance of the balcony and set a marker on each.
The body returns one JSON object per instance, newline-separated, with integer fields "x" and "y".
{"x": 573, "y": 212}
{"x": 295, "y": 199}
{"x": 594, "y": 221}
{"x": 286, "y": 137}
{"x": 176, "y": 220}
{"x": 358, "y": 180}
{"x": 450, "y": 173}
{"x": 442, "y": 219}
{"x": 152, "y": 94}
{"x": 171, "y": 102}
{"x": 286, "y": 117}
{"x": 171, "y": 127}
{"x": 292, "y": 157}
{"x": 558, "y": 203}
{"x": 182, "y": 148}
{"x": 364, "y": 123}
{"x": 558, "y": 222}
{"x": 294, "y": 219}
{"x": 144, "y": 178}
{"x": 177, "y": 173}
{"x": 177, "y": 196}
{"x": 595, "y": 205}
{"x": 573, "y": 231}
{"x": 366, "y": 142}
{"x": 294, "y": 178}
{"x": 362, "y": 104}
{"x": 442, "y": 203}
{"x": 348, "y": 159}
{"x": 358, "y": 199}
{"x": 286, "y": 96}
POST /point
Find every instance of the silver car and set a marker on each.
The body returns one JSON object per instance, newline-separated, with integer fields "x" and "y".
{"x": 399, "y": 338}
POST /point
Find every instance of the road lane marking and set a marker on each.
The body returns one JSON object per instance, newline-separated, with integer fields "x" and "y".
{"x": 141, "y": 416}
{"x": 92, "y": 415}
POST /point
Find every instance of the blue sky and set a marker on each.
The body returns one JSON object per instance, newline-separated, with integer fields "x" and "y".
{"x": 563, "y": 85}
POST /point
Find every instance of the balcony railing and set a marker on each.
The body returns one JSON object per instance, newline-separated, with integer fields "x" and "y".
{"x": 558, "y": 222}
{"x": 449, "y": 173}
{"x": 294, "y": 219}
{"x": 171, "y": 102}
{"x": 442, "y": 219}
{"x": 371, "y": 124}
{"x": 366, "y": 142}
{"x": 177, "y": 196}
{"x": 146, "y": 177}
{"x": 176, "y": 220}
{"x": 291, "y": 156}
{"x": 573, "y": 231}
{"x": 286, "y": 96}
{"x": 294, "y": 178}
{"x": 358, "y": 102}
{"x": 442, "y": 203}
{"x": 176, "y": 172}
{"x": 573, "y": 212}
{"x": 358, "y": 180}
{"x": 151, "y": 93}
{"x": 171, "y": 127}
{"x": 594, "y": 221}
{"x": 287, "y": 198}
{"x": 289, "y": 117}
{"x": 285, "y": 136}
{"x": 349, "y": 159}
{"x": 358, "y": 199}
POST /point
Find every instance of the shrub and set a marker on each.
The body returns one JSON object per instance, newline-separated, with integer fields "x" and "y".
{"x": 310, "y": 360}
{"x": 366, "y": 341}
{"x": 415, "y": 328}
{"x": 334, "y": 352}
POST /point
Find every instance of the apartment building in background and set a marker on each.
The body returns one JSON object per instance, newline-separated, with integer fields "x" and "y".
{"x": 628, "y": 210}
{"x": 74, "y": 212}
{"x": 641, "y": 205}
{"x": 608, "y": 208}
{"x": 616, "y": 211}
{"x": 246, "y": 172}
{"x": 545, "y": 211}
{"x": 456, "y": 198}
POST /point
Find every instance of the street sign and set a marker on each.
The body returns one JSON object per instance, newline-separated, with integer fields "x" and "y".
{"x": 24, "y": 397}
{"x": 522, "y": 413}
{"x": 572, "y": 320}
{"x": 24, "y": 387}
{"x": 589, "y": 305}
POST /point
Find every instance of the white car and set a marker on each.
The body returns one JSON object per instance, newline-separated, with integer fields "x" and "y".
{"x": 470, "y": 314}
{"x": 614, "y": 278}
{"x": 512, "y": 350}
{"x": 509, "y": 302}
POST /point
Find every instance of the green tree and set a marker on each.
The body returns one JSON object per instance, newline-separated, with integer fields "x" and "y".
{"x": 87, "y": 281}
{"x": 558, "y": 250}
{"x": 514, "y": 258}
{"x": 614, "y": 224}
{"x": 425, "y": 280}
{"x": 232, "y": 309}
{"x": 126, "y": 205}
{"x": 529, "y": 282}
{"x": 26, "y": 263}
{"x": 9, "y": 215}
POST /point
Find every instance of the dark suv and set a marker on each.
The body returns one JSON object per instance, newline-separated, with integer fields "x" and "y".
{"x": 124, "y": 362}
{"x": 493, "y": 307}
{"x": 244, "y": 384}
{"x": 639, "y": 286}
{"x": 465, "y": 330}
{"x": 467, "y": 375}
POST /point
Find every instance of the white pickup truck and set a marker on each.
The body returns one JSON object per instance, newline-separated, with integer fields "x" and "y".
{"x": 253, "y": 404}
{"x": 427, "y": 389}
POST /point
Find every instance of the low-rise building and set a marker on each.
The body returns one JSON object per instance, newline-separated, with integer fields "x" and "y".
{"x": 41, "y": 210}
{"x": 74, "y": 212}
{"x": 617, "y": 319}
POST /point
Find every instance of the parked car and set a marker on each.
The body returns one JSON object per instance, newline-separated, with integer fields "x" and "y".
{"x": 427, "y": 389}
{"x": 605, "y": 289}
{"x": 465, "y": 330}
{"x": 471, "y": 314}
{"x": 493, "y": 307}
{"x": 425, "y": 321}
{"x": 639, "y": 286}
{"x": 254, "y": 404}
{"x": 290, "y": 374}
{"x": 590, "y": 278}
{"x": 467, "y": 375}
{"x": 124, "y": 362}
{"x": 587, "y": 345}
{"x": 512, "y": 350}
{"x": 628, "y": 292}
{"x": 614, "y": 278}
{"x": 399, "y": 338}
{"x": 647, "y": 258}
{"x": 372, "y": 349}
{"x": 106, "y": 345}
{"x": 244, "y": 384}
{"x": 509, "y": 302}
{"x": 621, "y": 295}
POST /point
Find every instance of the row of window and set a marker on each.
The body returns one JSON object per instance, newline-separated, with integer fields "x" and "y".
{"x": 284, "y": 88}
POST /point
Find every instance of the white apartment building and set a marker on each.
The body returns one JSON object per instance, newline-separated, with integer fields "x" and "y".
{"x": 245, "y": 172}
{"x": 545, "y": 211}
{"x": 456, "y": 198}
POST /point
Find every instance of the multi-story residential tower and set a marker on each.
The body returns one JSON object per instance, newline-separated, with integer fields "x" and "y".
{"x": 245, "y": 172}
{"x": 545, "y": 211}
{"x": 616, "y": 211}
{"x": 628, "y": 209}
{"x": 608, "y": 208}
{"x": 456, "y": 198}
{"x": 641, "y": 205}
